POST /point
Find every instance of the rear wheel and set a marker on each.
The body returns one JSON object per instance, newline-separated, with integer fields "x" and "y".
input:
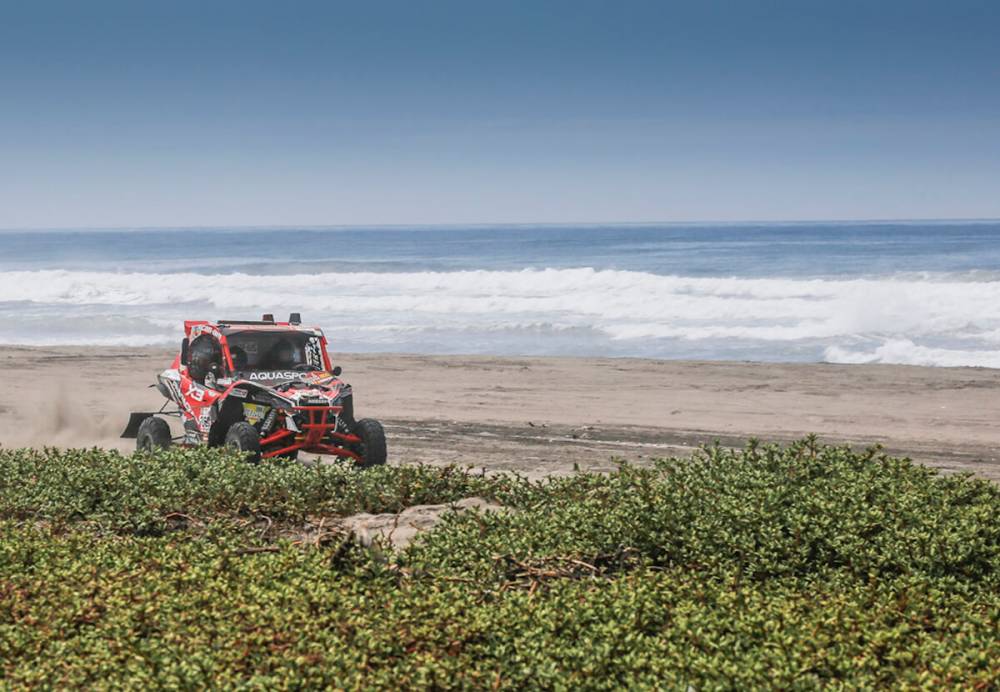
{"x": 244, "y": 438}
{"x": 153, "y": 434}
{"x": 372, "y": 448}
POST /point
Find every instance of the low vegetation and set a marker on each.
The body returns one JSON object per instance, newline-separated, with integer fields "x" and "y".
{"x": 796, "y": 566}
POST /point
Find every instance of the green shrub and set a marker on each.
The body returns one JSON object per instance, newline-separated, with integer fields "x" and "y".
{"x": 139, "y": 493}
{"x": 764, "y": 512}
{"x": 789, "y": 567}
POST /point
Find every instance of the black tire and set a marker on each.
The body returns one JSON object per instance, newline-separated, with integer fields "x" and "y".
{"x": 153, "y": 435}
{"x": 243, "y": 437}
{"x": 372, "y": 448}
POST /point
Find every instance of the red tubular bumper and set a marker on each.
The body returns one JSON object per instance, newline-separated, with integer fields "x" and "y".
{"x": 318, "y": 436}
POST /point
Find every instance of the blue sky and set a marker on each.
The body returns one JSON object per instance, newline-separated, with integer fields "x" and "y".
{"x": 253, "y": 113}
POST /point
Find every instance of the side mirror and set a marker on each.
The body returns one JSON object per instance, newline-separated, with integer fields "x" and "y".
{"x": 184, "y": 352}
{"x": 337, "y": 370}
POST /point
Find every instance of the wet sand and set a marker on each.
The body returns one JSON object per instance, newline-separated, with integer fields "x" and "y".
{"x": 548, "y": 415}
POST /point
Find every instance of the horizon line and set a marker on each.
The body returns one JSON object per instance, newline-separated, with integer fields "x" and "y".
{"x": 510, "y": 224}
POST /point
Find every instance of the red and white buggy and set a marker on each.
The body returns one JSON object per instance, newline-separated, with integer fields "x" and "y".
{"x": 265, "y": 388}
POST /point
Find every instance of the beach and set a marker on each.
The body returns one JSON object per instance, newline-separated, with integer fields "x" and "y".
{"x": 548, "y": 415}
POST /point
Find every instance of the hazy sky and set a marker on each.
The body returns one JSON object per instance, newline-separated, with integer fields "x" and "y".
{"x": 252, "y": 113}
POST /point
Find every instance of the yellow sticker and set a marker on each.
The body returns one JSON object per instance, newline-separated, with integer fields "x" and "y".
{"x": 254, "y": 412}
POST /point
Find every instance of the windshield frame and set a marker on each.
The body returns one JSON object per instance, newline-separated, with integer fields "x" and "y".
{"x": 308, "y": 350}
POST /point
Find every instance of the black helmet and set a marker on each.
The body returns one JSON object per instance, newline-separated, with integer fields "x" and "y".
{"x": 204, "y": 356}
{"x": 283, "y": 354}
{"x": 240, "y": 358}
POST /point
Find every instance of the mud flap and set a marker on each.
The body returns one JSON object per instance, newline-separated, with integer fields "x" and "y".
{"x": 134, "y": 421}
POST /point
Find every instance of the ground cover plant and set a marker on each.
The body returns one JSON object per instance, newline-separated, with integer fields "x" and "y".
{"x": 793, "y": 566}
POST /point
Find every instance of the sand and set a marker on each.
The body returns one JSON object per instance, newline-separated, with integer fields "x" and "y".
{"x": 544, "y": 416}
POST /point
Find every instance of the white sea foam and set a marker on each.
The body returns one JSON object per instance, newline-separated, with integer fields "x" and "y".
{"x": 905, "y": 352}
{"x": 925, "y": 319}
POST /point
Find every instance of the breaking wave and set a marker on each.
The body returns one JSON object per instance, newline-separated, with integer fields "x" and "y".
{"x": 919, "y": 319}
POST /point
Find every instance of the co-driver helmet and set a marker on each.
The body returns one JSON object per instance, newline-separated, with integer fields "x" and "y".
{"x": 204, "y": 357}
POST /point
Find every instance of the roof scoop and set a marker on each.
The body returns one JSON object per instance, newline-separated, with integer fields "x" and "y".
{"x": 295, "y": 318}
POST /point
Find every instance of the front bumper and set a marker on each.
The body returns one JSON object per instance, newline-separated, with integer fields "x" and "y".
{"x": 317, "y": 434}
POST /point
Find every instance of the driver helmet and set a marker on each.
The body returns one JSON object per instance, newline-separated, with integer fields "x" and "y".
{"x": 204, "y": 357}
{"x": 240, "y": 358}
{"x": 284, "y": 354}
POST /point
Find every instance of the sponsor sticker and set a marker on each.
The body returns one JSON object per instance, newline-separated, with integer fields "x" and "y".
{"x": 205, "y": 418}
{"x": 321, "y": 377}
{"x": 314, "y": 354}
{"x": 199, "y": 329}
{"x": 175, "y": 394}
{"x": 275, "y": 375}
{"x": 253, "y": 413}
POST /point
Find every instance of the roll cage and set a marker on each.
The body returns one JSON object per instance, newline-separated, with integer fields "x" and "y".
{"x": 313, "y": 343}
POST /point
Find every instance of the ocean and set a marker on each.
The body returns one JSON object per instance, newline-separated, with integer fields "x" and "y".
{"x": 912, "y": 293}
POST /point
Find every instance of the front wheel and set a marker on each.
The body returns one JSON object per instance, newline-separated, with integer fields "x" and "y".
{"x": 153, "y": 434}
{"x": 372, "y": 448}
{"x": 244, "y": 438}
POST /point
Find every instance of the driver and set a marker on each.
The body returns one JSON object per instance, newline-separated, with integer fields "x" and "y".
{"x": 240, "y": 359}
{"x": 284, "y": 356}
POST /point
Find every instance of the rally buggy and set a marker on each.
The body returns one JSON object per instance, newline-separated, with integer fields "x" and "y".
{"x": 265, "y": 388}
